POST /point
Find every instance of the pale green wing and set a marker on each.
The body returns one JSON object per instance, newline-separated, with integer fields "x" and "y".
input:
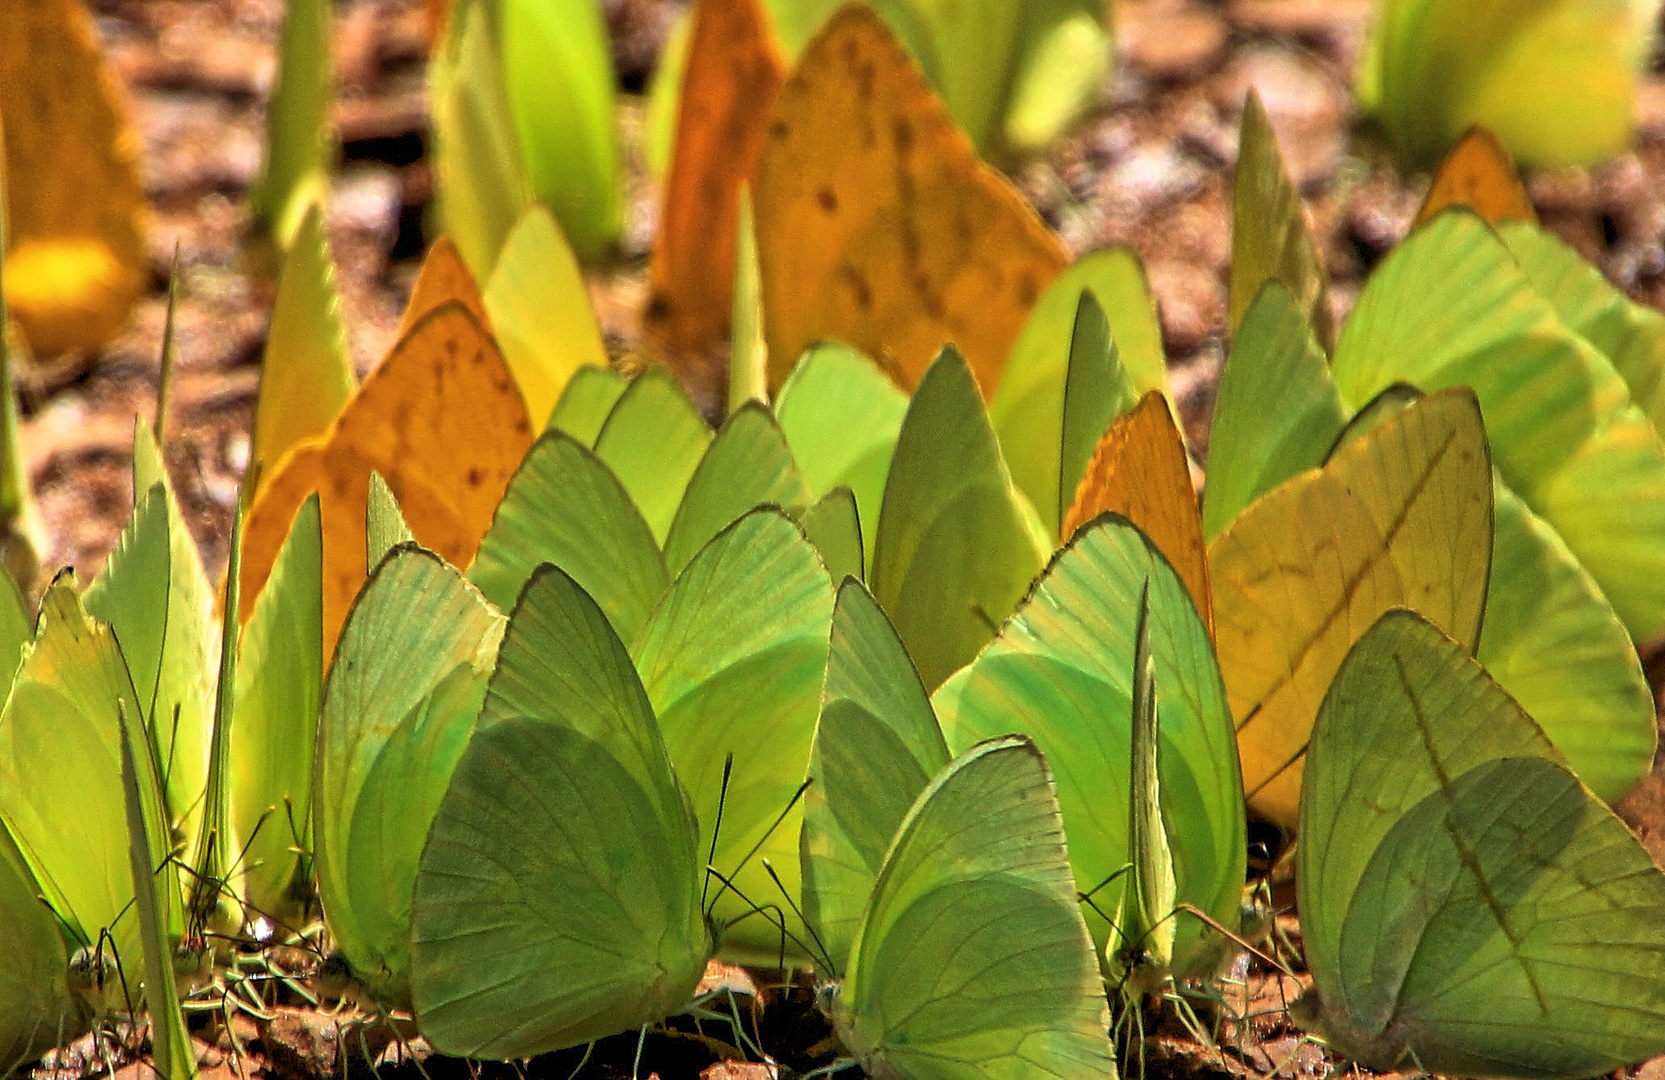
{"x": 1452, "y": 307}
{"x": 540, "y": 312}
{"x": 1468, "y": 907}
{"x": 298, "y": 130}
{"x": 1028, "y": 406}
{"x": 1148, "y": 925}
{"x": 877, "y": 745}
{"x": 748, "y": 464}
{"x": 841, "y": 416}
{"x": 956, "y": 548}
{"x": 833, "y": 525}
{"x": 1551, "y": 639}
{"x": 972, "y": 960}
{"x": 1276, "y": 411}
{"x": 385, "y": 527}
{"x": 565, "y": 507}
{"x": 1096, "y": 391}
{"x": 154, "y": 876}
{"x": 1061, "y": 672}
{"x": 59, "y": 723}
{"x": 653, "y": 441}
{"x": 558, "y": 899}
{"x": 306, "y": 374}
{"x": 480, "y": 174}
{"x": 398, "y": 706}
{"x": 748, "y": 353}
{"x": 1554, "y": 79}
{"x": 733, "y": 660}
{"x": 34, "y": 997}
{"x": 1063, "y": 68}
{"x": 154, "y": 595}
{"x": 275, "y": 726}
{"x": 558, "y": 77}
{"x": 1269, "y": 237}
{"x": 1631, "y": 335}
{"x": 584, "y": 405}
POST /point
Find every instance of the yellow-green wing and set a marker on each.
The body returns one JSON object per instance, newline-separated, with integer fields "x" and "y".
{"x": 733, "y": 659}
{"x": 1061, "y": 672}
{"x": 558, "y": 899}
{"x": 1451, "y": 307}
{"x": 877, "y": 745}
{"x": 972, "y": 960}
{"x": 957, "y": 547}
{"x": 564, "y": 506}
{"x": 653, "y": 441}
{"x": 275, "y": 725}
{"x": 61, "y": 722}
{"x": 748, "y": 464}
{"x": 399, "y": 704}
{"x": 34, "y": 997}
{"x": 1468, "y": 906}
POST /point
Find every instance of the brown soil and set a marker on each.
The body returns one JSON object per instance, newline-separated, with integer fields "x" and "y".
{"x": 1152, "y": 169}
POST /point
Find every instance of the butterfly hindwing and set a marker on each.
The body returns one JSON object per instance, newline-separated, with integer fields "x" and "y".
{"x": 558, "y": 899}
{"x": 1468, "y": 905}
{"x": 973, "y": 959}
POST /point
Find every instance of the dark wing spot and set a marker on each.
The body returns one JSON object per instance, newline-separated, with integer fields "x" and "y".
{"x": 827, "y": 199}
{"x": 859, "y": 287}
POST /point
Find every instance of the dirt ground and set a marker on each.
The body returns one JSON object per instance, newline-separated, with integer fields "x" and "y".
{"x": 1151, "y": 169}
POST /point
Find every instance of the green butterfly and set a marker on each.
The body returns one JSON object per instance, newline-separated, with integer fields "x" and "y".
{"x": 957, "y": 543}
{"x": 1452, "y": 306}
{"x": 1468, "y": 906}
{"x": 399, "y": 704}
{"x": 1554, "y": 79}
{"x": 1062, "y": 671}
{"x": 560, "y": 893}
{"x": 971, "y": 958}
{"x": 523, "y": 109}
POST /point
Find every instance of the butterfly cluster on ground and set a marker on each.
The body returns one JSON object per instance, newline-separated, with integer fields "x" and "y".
{"x": 530, "y": 691}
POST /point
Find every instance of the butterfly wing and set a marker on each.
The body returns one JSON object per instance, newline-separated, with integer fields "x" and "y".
{"x": 877, "y": 745}
{"x": 733, "y": 659}
{"x": 558, "y": 899}
{"x": 1061, "y": 672}
{"x": 32, "y": 964}
{"x": 973, "y": 960}
{"x": 1467, "y": 904}
{"x": 399, "y": 702}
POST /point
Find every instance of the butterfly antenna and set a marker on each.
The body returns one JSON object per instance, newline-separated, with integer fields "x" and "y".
{"x": 826, "y": 960}
{"x": 716, "y": 831}
{"x": 1087, "y": 897}
{"x": 765, "y": 910}
{"x": 764, "y": 839}
{"x": 1213, "y": 924}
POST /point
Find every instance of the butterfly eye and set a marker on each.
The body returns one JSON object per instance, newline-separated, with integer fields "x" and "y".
{"x": 826, "y": 996}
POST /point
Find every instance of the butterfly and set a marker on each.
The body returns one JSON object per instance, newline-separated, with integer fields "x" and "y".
{"x": 1468, "y": 906}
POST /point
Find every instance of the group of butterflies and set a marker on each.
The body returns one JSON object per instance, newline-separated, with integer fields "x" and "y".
{"x": 834, "y": 683}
